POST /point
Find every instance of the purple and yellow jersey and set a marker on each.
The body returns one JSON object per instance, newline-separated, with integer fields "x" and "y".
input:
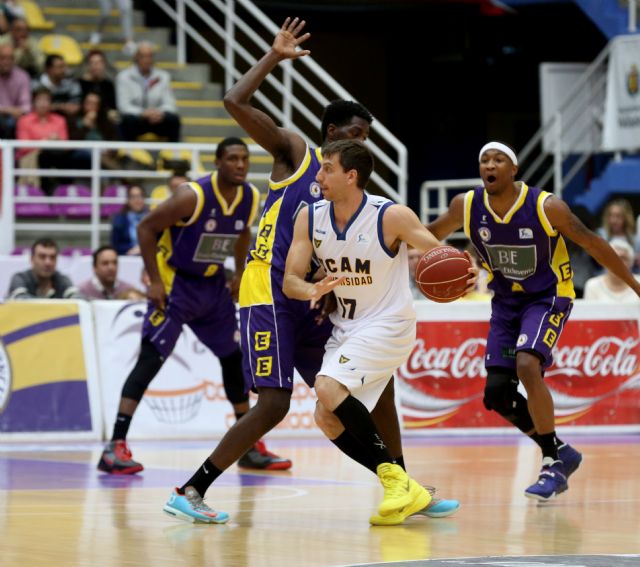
{"x": 267, "y": 258}
{"x": 522, "y": 252}
{"x": 200, "y": 245}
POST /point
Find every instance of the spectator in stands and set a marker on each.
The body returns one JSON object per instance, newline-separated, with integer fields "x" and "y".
{"x": 163, "y": 192}
{"x": 28, "y": 54}
{"x": 609, "y": 287}
{"x": 15, "y": 94}
{"x": 124, "y": 228}
{"x": 10, "y": 10}
{"x": 105, "y": 283}
{"x": 93, "y": 124}
{"x": 126, "y": 20}
{"x": 65, "y": 91}
{"x": 618, "y": 221}
{"x": 95, "y": 79}
{"x": 42, "y": 281}
{"x": 145, "y": 100}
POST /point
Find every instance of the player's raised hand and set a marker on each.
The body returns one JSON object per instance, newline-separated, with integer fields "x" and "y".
{"x": 288, "y": 39}
{"x": 324, "y": 286}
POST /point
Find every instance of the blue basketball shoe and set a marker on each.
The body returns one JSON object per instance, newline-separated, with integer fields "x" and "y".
{"x": 551, "y": 481}
{"x": 191, "y": 507}
{"x": 570, "y": 458}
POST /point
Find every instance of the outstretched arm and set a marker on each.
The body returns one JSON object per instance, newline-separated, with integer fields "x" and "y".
{"x": 294, "y": 285}
{"x": 449, "y": 221}
{"x": 564, "y": 221}
{"x": 285, "y": 146}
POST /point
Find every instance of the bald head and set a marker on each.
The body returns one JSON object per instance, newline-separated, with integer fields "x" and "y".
{"x": 144, "y": 57}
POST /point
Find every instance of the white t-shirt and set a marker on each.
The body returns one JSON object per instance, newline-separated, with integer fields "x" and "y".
{"x": 595, "y": 289}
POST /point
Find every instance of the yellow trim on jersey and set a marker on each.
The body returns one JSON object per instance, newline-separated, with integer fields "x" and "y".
{"x": 514, "y": 208}
{"x": 544, "y": 221}
{"x": 561, "y": 266}
{"x": 199, "y": 191}
{"x": 297, "y": 175}
{"x": 255, "y": 286}
{"x": 254, "y": 204}
{"x": 263, "y": 250}
{"x": 227, "y": 210}
{"x": 466, "y": 223}
{"x": 164, "y": 251}
{"x": 319, "y": 154}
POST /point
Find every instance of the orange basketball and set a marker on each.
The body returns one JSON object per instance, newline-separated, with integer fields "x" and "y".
{"x": 441, "y": 274}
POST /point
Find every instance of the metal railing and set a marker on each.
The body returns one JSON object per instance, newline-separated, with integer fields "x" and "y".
{"x": 96, "y": 178}
{"x": 298, "y": 91}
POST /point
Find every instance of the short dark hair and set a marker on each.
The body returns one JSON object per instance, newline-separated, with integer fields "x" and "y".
{"x": 230, "y": 141}
{"x": 41, "y": 90}
{"x": 45, "y": 243}
{"x": 51, "y": 59}
{"x": 340, "y": 113}
{"x": 353, "y": 154}
{"x": 99, "y": 251}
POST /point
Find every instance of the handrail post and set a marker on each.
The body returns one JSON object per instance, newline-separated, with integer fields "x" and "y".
{"x": 557, "y": 157}
{"x": 95, "y": 198}
{"x": 632, "y": 15}
{"x": 181, "y": 38}
{"x": 229, "y": 53}
{"x": 7, "y": 219}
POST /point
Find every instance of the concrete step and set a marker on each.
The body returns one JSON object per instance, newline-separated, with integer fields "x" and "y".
{"x": 62, "y": 15}
{"x": 196, "y": 90}
{"x": 193, "y": 72}
{"x": 202, "y": 108}
{"x": 113, "y": 34}
{"x": 202, "y": 128}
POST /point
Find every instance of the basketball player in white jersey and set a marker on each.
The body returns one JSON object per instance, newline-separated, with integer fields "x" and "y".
{"x": 360, "y": 241}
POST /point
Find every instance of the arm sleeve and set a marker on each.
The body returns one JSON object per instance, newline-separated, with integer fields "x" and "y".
{"x": 125, "y": 95}
{"x": 18, "y": 288}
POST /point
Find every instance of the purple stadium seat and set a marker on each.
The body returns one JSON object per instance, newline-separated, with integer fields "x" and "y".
{"x": 75, "y": 251}
{"x": 71, "y": 209}
{"x": 109, "y": 209}
{"x": 41, "y": 210}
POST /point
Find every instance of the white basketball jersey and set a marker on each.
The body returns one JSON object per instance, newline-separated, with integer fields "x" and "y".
{"x": 376, "y": 285}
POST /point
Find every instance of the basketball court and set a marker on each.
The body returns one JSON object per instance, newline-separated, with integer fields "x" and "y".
{"x": 59, "y": 510}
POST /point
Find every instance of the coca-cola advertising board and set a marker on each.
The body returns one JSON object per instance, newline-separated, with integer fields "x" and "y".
{"x": 595, "y": 379}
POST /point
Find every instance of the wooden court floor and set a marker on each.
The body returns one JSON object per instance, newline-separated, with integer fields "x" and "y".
{"x": 57, "y": 509}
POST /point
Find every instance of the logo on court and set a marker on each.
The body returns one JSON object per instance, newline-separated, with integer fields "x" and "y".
{"x": 484, "y": 233}
{"x": 522, "y": 339}
{"x": 5, "y": 377}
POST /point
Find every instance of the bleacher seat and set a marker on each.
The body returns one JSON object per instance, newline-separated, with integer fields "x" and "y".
{"x": 40, "y": 210}
{"x": 167, "y": 160}
{"x": 34, "y": 16}
{"x": 72, "y": 209}
{"x": 159, "y": 194}
{"x": 143, "y": 157}
{"x": 75, "y": 251}
{"x": 63, "y": 45}
{"x": 119, "y": 191}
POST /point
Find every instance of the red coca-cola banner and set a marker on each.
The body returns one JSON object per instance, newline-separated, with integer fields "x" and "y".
{"x": 595, "y": 379}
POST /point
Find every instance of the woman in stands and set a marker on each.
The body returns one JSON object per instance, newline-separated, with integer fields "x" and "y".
{"x": 124, "y": 228}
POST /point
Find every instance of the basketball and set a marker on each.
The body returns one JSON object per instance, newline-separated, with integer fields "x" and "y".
{"x": 441, "y": 274}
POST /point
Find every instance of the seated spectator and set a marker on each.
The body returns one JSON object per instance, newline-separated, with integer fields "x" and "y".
{"x": 609, "y": 287}
{"x": 42, "y": 124}
{"x": 15, "y": 93}
{"x": 42, "y": 281}
{"x": 105, "y": 284}
{"x": 124, "y": 227}
{"x": 145, "y": 100}
{"x": 163, "y": 192}
{"x": 65, "y": 91}
{"x": 93, "y": 124}
{"x": 29, "y": 56}
{"x": 618, "y": 221}
{"x": 94, "y": 79}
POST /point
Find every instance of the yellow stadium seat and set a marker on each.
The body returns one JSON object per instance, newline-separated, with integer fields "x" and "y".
{"x": 151, "y": 137}
{"x": 34, "y": 16}
{"x": 167, "y": 156}
{"x": 63, "y": 45}
{"x": 141, "y": 156}
{"x": 159, "y": 194}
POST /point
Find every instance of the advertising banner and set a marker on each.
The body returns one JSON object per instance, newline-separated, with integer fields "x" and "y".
{"x": 622, "y": 105}
{"x": 187, "y": 397}
{"x": 47, "y": 372}
{"x": 595, "y": 378}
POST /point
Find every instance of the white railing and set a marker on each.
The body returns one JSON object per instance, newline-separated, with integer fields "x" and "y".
{"x": 95, "y": 177}
{"x": 441, "y": 192}
{"x": 304, "y": 77}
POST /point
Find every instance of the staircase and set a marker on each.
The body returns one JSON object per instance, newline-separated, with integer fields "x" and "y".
{"x": 199, "y": 101}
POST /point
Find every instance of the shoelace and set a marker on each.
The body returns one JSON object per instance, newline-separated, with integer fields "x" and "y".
{"x": 198, "y": 503}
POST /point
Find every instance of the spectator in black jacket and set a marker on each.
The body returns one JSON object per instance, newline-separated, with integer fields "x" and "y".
{"x": 42, "y": 281}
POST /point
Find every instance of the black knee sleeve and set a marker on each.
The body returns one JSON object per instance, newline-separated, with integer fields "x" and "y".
{"x": 233, "y": 379}
{"x": 149, "y": 364}
{"x": 501, "y": 395}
